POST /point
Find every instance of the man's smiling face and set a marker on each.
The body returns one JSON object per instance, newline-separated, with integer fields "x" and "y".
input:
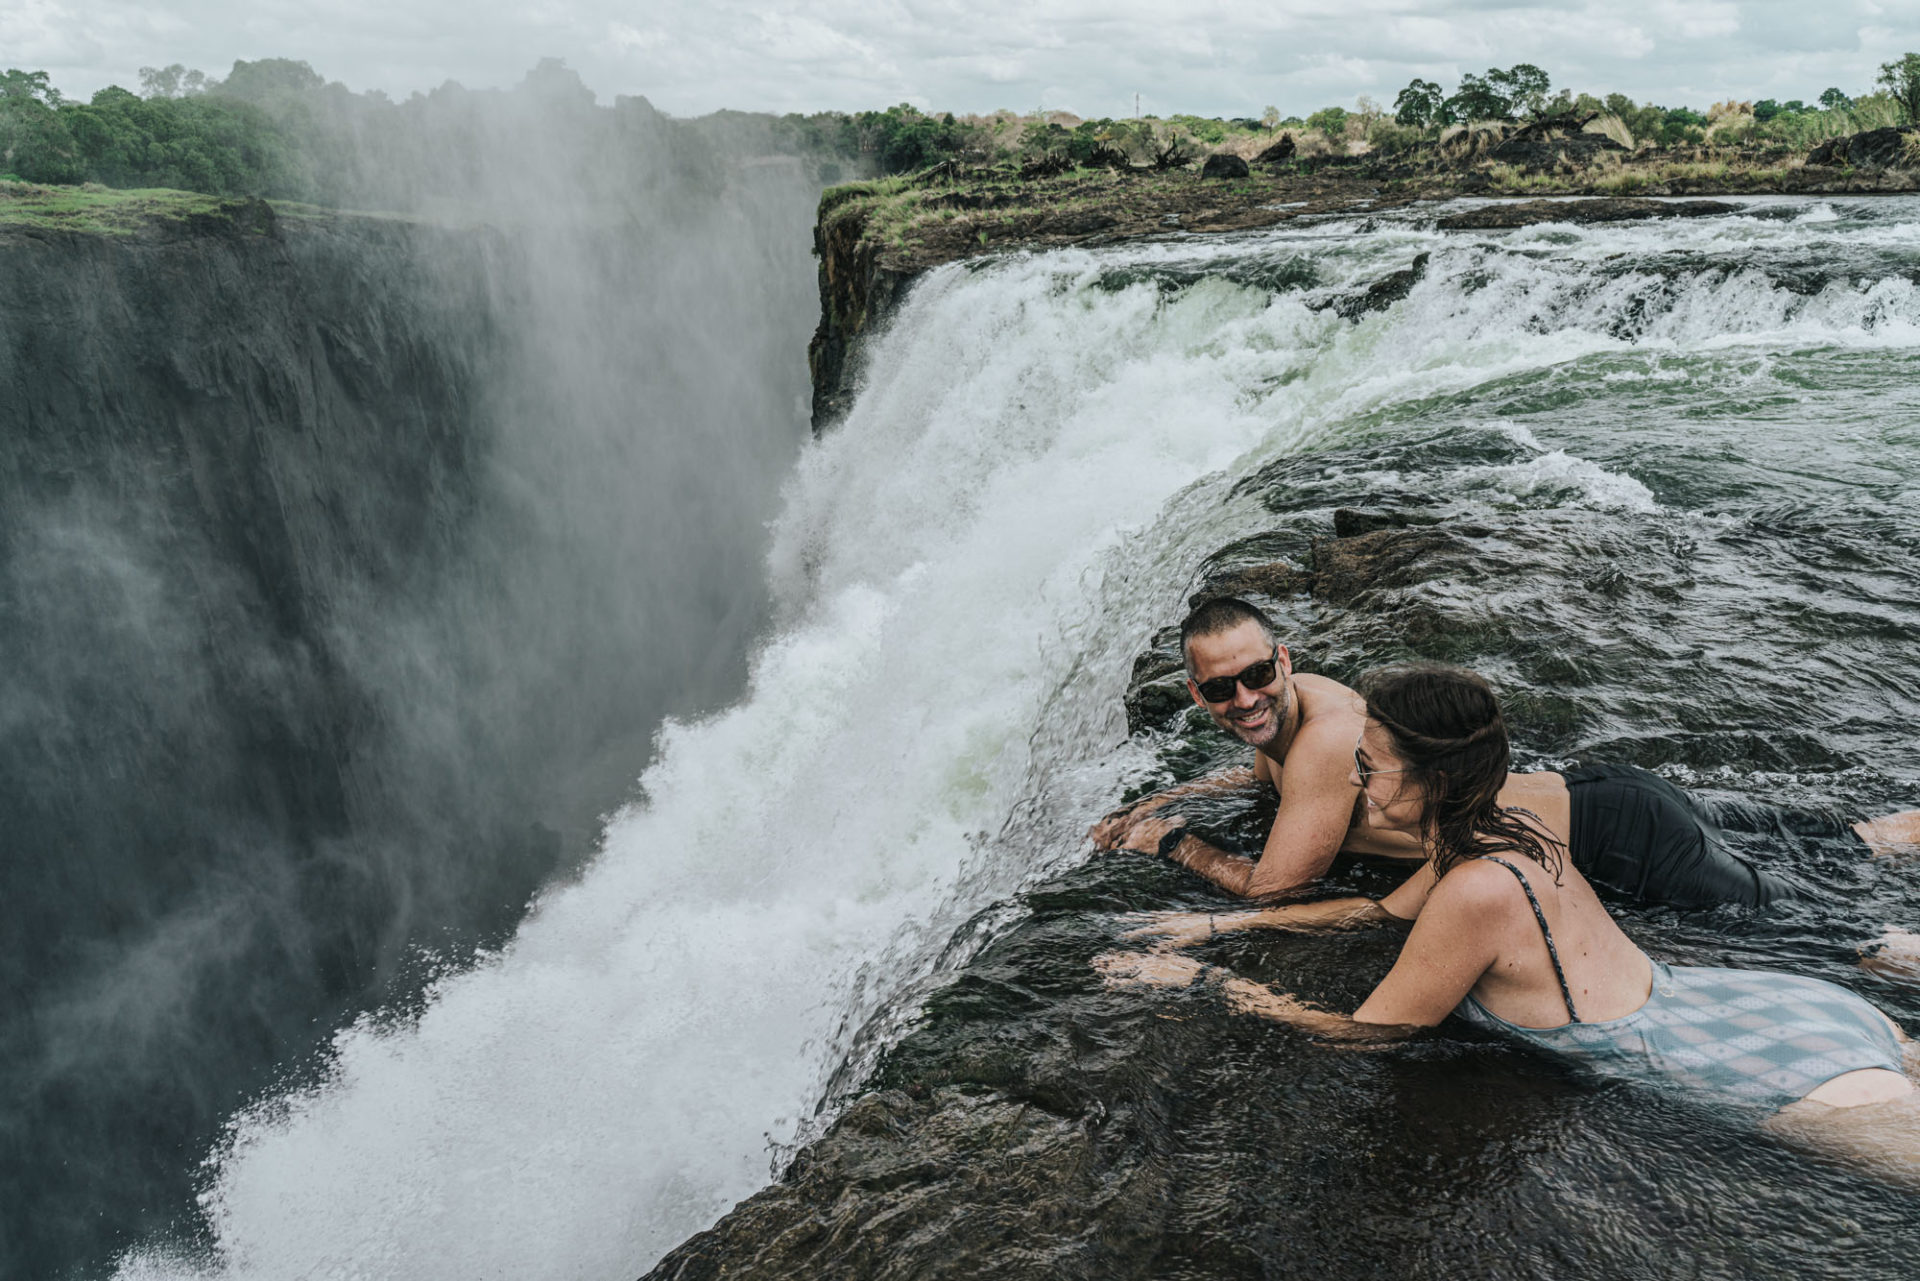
{"x": 1252, "y": 715}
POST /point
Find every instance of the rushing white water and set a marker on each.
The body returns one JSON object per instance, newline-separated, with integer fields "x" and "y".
{"x": 964, "y": 571}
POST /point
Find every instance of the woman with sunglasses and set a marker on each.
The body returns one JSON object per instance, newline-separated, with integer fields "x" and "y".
{"x": 1510, "y": 936}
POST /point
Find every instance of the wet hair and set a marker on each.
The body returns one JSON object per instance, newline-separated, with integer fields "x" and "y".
{"x": 1221, "y": 614}
{"x": 1447, "y": 730}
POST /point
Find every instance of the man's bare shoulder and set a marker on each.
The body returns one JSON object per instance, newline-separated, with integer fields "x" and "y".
{"x": 1323, "y": 700}
{"x": 1324, "y": 742}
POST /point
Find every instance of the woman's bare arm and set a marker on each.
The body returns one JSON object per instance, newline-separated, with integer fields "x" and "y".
{"x": 1244, "y": 996}
{"x": 1190, "y": 929}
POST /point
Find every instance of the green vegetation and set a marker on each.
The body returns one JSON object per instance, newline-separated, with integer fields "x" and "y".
{"x": 103, "y": 210}
{"x": 276, "y": 128}
{"x": 1901, "y": 80}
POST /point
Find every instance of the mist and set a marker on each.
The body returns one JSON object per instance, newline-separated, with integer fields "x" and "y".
{"x": 257, "y": 786}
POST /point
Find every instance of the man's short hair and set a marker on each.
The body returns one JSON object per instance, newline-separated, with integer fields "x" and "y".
{"x": 1217, "y": 615}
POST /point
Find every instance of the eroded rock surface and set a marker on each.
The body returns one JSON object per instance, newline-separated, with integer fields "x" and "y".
{"x": 1527, "y": 213}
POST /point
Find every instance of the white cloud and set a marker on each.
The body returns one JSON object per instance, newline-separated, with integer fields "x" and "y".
{"x": 1087, "y": 56}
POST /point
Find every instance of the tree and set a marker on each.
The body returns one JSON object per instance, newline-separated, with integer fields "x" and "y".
{"x": 1766, "y": 109}
{"x": 34, "y": 142}
{"x": 171, "y": 82}
{"x": 1477, "y": 99}
{"x": 28, "y": 86}
{"x": 1523, "y": 85}
{"x": 1270, "y": 118}
{"x": 1902, "y": 80}
{"x": 1332, "y": 121}
{"x": 1420, "y": 105}
{"x": 1834, "y": 100}
{"x": 276, "y": 77}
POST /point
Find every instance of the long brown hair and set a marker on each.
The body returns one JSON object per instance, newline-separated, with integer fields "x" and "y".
{"x": 1447, "y": 730}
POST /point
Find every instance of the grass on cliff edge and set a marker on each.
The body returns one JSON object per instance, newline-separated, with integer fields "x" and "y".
{"x": 108, "y": 211}
{"x": 992, "y": 206}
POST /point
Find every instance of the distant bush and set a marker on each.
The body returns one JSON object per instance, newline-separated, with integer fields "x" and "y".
{"x": 1331, "y": 121}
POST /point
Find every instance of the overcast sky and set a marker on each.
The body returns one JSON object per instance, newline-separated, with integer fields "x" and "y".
{"x": 1087, "y": 56}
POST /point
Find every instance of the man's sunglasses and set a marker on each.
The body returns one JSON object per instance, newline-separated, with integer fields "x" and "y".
{"x": 1259, "y": 676}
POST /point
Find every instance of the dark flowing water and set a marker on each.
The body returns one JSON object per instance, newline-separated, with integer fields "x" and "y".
{"x": 1678, "y": 466}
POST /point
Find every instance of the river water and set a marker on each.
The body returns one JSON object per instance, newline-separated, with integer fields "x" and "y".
{"x": 1689, "y": 453}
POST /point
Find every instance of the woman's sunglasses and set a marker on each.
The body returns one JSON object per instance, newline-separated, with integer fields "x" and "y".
{"x": 1258, "y": 676}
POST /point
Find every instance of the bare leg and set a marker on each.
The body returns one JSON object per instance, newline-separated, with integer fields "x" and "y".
{"x": 1894, "y": 955}
{"x": 1894, "y": 834}
{"x": 1870, "y": 1119}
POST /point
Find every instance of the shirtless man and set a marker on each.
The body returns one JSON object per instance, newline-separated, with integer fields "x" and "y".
{"x": 1625, "y": 828}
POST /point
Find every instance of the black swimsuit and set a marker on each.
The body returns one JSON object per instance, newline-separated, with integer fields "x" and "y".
{"x": 1637, "y": 834}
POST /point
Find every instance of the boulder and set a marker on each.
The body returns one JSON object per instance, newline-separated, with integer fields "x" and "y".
{"x": 1545, "y": 152}
{"x": 1279, "y": 153}
{"x": 1875, "y": 149}
{"x": 1224, "y": 164}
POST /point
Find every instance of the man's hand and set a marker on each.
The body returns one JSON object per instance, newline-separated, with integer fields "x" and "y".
{"x": 1145, "y": 836}
{"x": 1110, "y": 831}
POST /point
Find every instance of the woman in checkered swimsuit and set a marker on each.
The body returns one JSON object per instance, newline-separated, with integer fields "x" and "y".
{"x": 1510, "y": 936}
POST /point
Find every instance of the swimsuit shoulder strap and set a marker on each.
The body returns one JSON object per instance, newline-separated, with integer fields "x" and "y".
{"x": 1553, "y": 953}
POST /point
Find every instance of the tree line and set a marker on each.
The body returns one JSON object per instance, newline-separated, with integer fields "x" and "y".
{"x": 276, "y": 127}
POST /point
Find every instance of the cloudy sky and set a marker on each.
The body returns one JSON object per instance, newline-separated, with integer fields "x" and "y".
{"x": 1086, "y": 56}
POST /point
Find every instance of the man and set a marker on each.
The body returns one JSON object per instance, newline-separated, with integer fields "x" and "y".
{"x": 1626, "y": 829}
{"x": 1302, "y": 730}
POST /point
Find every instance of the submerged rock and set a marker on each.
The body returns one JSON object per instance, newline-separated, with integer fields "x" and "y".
{"x": 991, "y": 1175}
{"x": 1608, "y": 209}
{"x": 1380, "y": 295}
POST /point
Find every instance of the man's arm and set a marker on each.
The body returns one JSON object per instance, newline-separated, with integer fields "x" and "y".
{"x": 1317, "y": 797}
{"x": 1111, "y": 831}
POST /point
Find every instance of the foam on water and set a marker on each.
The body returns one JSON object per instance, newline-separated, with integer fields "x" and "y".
{"x": 964, "y": 571}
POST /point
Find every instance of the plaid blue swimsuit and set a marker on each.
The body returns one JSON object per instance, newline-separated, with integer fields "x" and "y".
{"x": 1754, "y": 1036}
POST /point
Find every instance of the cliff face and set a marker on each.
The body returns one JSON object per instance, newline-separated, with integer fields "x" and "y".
{"x": 233, "y": 453}
{"x": 347, "y": 567}
{"x": 856, "y": 294}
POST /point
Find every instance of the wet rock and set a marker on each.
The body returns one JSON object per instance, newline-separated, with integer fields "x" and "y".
{"x": 1383, "y": 293}
{"x": 1350, "y": 571}
{"x": 1351, "y": 522}
{"x": 1528, "y": 213}
{"x": 1157, "y": 688}
{"x": 898, "y": 1176}
{"x": 1279, "y": 153}
{"x": 1224, "y": 165}
{"x": 1897, "y": 148}
{"x": 1278, "y": 580}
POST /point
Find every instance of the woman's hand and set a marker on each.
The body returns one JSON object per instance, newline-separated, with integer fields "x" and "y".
{"x": 1148, "y": 969}
{"x": 1168, "y": 930}
{"x": 1110, "y": 831}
